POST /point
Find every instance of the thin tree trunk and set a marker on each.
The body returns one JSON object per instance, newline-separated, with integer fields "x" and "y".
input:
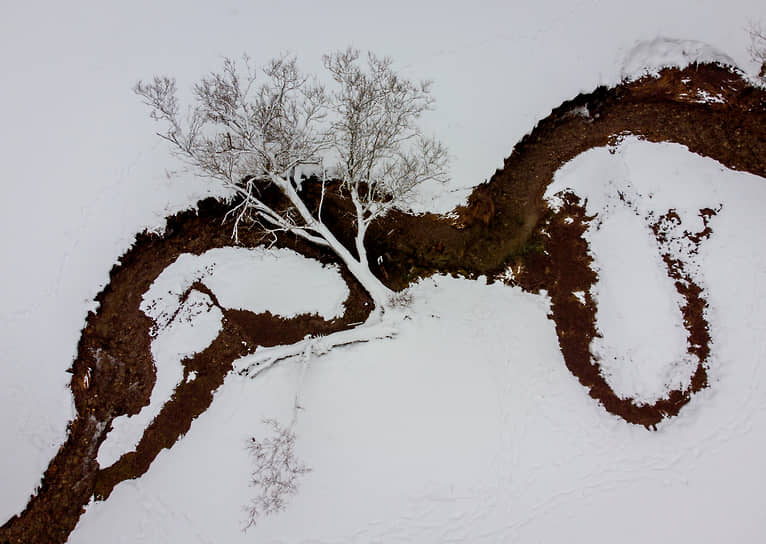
{"x": 360, "y": 268}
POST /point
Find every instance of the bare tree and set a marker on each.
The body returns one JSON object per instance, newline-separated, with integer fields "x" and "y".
{"x": 245, "y": 134}
{"x": 276, "y": 471}
{"x": 757, "y": 48}
{"x": 382, "y": 155}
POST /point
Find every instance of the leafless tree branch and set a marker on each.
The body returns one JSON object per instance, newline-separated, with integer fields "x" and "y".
{"x": 249, "y": 128}
{"x": 276, "y": 471}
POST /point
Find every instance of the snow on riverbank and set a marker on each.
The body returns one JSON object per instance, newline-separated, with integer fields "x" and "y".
{"x": 83, "y": 172}
{"x": 277, "y": 280}
{"x": 643, "y": 348}
{"x": 650, "y": 56}
{"x": 467, "y": 427}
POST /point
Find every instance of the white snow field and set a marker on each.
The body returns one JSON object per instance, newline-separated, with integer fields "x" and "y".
{"x": 466, "y": 428}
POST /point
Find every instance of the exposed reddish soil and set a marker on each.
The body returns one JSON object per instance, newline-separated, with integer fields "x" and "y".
{"x": 558, "y": 261}
{"x": 113, "y": 373}
{"x": 504, "y": 211}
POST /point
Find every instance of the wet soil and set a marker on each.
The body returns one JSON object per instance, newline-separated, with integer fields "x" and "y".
{"x": 502, "y": 226}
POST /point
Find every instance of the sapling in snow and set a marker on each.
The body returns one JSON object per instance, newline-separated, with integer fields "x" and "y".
{"x": 276, "y": 471}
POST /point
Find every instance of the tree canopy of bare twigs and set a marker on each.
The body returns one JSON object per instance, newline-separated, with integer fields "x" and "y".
{"x": 382, "y": 154}
{"x": 757, "y": 48}
{"x": 248, "y": 128}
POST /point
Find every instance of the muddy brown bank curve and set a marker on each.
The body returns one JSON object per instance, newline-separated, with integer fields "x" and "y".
{"x": 502, "y": 226}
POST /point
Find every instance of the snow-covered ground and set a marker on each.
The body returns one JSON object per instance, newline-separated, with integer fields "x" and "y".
{"x": 643, "y": 350}
{"x": 468, "y": 428}
{"x": 452, "y": 437}
{"x": 276, "y": 280}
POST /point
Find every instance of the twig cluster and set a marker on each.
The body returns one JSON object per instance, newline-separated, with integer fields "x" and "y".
{"x": 249, "y": 130}
{"x": 275, "y": 473}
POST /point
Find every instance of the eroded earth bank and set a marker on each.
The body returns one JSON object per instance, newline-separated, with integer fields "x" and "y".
{"x": 506, "y": 225}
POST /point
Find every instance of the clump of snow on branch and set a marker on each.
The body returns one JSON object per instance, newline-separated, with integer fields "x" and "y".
{"x": 650, "y": 56}
{"x": 276, "y": 471}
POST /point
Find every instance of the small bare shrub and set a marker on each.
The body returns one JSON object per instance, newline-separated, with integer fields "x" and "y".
{"x": 276, "y": 471}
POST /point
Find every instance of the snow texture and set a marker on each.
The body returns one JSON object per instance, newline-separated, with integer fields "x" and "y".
{"x": 255, "y": 279}
{"x": 278, "y": 280}
{"x": 458, "y": 456}
{"x": 651, "y": 56}
{"x": 467, "y": 427}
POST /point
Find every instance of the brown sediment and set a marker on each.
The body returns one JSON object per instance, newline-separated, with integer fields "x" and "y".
{"x": 242, "y": 332}
{"x": 485, "y": 237}
{"x": 113, "y": 373}
{"x": 695, "y": 321}
{"x": 557, "y": 260}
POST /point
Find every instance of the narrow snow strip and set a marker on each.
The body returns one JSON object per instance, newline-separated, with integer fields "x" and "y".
{"x": 277, "y": 280}
{"x": 643, "y": 348}
{"x": 195, "y": 326}
{"x": 650, "y": 56}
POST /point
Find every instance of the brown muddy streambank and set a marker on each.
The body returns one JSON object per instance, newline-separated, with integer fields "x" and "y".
{"x": 502, "y": 226}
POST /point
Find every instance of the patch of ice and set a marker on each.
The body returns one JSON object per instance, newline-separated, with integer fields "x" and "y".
{"x": 581, "y": 111}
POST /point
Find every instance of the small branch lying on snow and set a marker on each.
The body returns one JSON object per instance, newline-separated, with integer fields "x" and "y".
{"x": 276, "y": 469}
{"x": 275, "y": 473}
{"x": 263, "y": 358}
